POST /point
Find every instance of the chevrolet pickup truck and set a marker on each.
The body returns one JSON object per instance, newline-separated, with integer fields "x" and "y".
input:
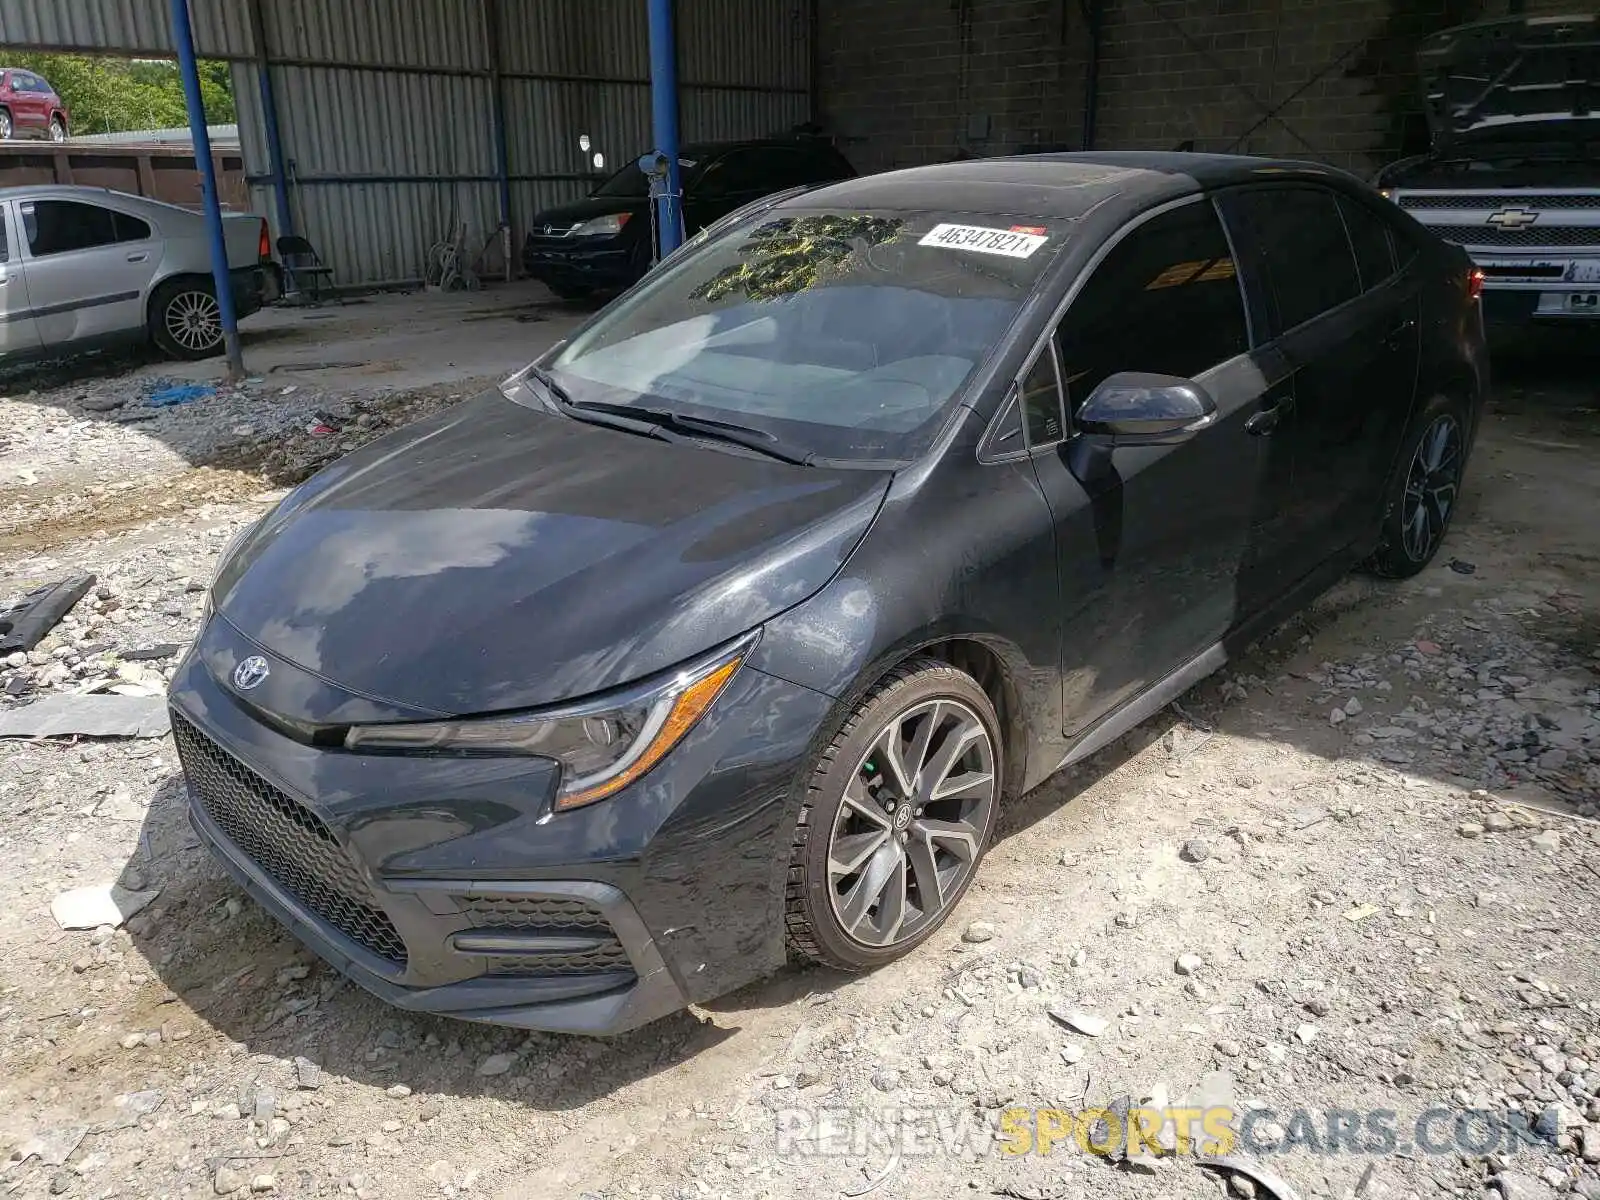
{"x": 1513, "y": 174}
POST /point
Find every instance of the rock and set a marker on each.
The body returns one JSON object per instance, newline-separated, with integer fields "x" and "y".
{"x": 1080, "y": 1022}
{"x": 1188, "y": 964}
{"x": 263, "y": 1183}
{"x": 1353, "y": 707}
{"x": 1194, "y": 851}
{"x": 61, "y": 1183}
{"x": 1469, "y": 829}
{"x": 227, "y": 1181}
{"x": 1306, "y": 1034}
{"x": 808, "y": 1076}
{"x": 1072, "y": 1053}
{"x": 496, "y": 1064}
{"x": 1338, "y": 717}
{"x": 978, "y": 932}
{"x": 140, "y": 1104}
{"x": 1591, "y": 1143}
{"x": 1242, "y": 1186}
{"x": 1512, "y": 1186}
{"x": 1228, "y": 1048}
{"x": 1497, "y": 822}
{"x": 886, "y": 1079}
{"x": 1318, "y": 1007}
{"x": 398, "y": 1092}
{"x": 1548, "y": 841}
{"x": 307, "y": 1074}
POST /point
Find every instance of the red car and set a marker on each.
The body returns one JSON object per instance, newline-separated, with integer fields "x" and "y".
{"x": 29, "y": 107}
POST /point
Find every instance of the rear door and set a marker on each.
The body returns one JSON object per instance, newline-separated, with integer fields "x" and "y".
{"x": 30, "y": 103}
{"x": 19, "y": 332}
{"x": 89, "y": 267}
{"x": 1151, "y": 539}
{"x": 1351, "y": 344}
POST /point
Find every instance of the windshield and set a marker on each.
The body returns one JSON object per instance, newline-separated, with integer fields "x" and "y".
{"x": 634, "y": 183}
{"x": 850, "y": 334}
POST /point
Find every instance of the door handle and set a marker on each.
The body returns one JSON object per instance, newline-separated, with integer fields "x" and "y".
{"x": 1268, "y": 419}
{"x": 140, "y": 257}
{"x": 1392, "y": 338}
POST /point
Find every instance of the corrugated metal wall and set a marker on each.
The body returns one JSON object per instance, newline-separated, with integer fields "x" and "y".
{"x": 386, "y": 106}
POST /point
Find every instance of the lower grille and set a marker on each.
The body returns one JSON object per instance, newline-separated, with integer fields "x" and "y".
{"x": 287, "y": 840}
{"x": 547, "y": 916}
{"x": 1533, "y": 237}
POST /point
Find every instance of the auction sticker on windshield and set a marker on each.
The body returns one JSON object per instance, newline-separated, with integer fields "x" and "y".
{"x": 1008, "y": 243}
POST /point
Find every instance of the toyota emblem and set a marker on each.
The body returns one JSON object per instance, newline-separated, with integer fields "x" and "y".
{"x": 251, "y": 673}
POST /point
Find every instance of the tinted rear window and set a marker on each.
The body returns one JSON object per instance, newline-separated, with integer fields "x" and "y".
{"x": 1307, "y": 257}
{"x": 1371, "y": 239}
{"x": 850, "y": 333}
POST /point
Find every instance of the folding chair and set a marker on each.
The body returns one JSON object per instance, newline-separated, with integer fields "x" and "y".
{"x": 310, "y": 267}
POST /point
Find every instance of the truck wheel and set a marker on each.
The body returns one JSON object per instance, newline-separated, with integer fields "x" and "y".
{"x": 185, "y": 319}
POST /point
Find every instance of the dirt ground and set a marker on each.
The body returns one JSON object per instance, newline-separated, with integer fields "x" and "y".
{"x": 1371, "y": 834}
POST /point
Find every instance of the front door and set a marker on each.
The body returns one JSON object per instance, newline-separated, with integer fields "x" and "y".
{"x": 19, "y": 332}
{"x": 1152, "y": 539}
{"x": 88, "y": 268}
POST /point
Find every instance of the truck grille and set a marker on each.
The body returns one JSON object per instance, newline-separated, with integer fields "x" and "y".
{"x": 1532, "y": 237}
{"x": 1528, "y": 200}
{"x": 286, "y": 840}
{"x": 551, "y": 916}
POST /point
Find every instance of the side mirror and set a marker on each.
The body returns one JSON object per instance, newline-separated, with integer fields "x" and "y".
{"x": 1131, "y": 407}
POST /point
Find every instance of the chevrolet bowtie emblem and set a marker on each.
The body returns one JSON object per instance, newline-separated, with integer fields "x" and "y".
{"x": 1512, "y": 218}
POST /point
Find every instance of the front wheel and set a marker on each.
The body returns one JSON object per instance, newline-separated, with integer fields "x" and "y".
{"x": 1424, "y": 492}
{"x": 58, "y": 129}
{"x": 185, "y": 319}
{"x": 897, "y": 815}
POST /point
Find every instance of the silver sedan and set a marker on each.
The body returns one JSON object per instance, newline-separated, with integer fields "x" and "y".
{"x": 82, "y": 267}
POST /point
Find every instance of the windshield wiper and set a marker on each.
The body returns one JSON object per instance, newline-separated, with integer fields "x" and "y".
{"x": 758, "y": 440}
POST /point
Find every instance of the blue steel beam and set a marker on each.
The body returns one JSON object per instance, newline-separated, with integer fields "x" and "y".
{"x": 664, "y": 112}
{"x": 183, "y": 39}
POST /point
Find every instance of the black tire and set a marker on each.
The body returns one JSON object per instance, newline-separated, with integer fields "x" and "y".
{"x": 921, "y": 690}
{"x": 1407, "y": 541}
{"x": 184, "y": 320}
{"x": 57, "y": 124}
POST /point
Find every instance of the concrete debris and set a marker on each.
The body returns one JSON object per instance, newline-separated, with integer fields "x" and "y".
{"x": 99, "y": 906}
{"x": 143, "y": 716}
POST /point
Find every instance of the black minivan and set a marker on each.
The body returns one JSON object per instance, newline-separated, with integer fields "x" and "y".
{"x": 605, "y": 241}
{"x": 728, "y": 627}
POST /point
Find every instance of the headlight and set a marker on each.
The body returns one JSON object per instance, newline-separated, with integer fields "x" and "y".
{"x": 601, "y": 226}
{"x": 602, "y": 746}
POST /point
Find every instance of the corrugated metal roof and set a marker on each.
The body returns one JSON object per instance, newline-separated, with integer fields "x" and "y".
{"x": 221, "y": 27}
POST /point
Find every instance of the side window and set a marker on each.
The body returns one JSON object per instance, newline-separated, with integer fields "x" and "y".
{"x": 1042, "y": 418}
{"x": 737, "y": 172}
{"x": 1306, "y": 256}
{"x": 129, "y": 229}
{"x": 1370, "y": 238}
{"x": 57, "y": 226}
{"x": 5, "y": 244}
{"x": 1165, "y": 300}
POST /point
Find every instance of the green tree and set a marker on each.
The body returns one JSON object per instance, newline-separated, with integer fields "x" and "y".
{"x": 113, "y": 95}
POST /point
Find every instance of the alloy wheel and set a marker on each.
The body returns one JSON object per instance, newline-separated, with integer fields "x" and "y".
{"x": 5, "y": 127}
{"x": 58, "y": 131}
{"x": 912, "y": 824}
{"x": 194, "y": 320}
{"x": 1432, "y": 483}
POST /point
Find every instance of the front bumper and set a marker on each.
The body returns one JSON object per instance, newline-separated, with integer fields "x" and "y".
{"x": 447, "y": 886}
{"x": 250, "y": 288}
{"x": 583, "y": 262}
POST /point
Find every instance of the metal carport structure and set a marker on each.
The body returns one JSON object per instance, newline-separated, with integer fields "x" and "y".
{"x": 397, "y": 119}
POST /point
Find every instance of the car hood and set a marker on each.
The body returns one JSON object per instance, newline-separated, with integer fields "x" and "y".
{"x": 1520, "y": 79}
{"x": 563, "y": 217}
{"x": 495, "y": 558}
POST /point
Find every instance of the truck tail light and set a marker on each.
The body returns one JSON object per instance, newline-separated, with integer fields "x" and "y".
{"x": 1474, "y": 283}
{"x": 264, "y": 247}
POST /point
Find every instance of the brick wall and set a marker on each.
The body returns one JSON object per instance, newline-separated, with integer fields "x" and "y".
{"x": 916, "y": 81}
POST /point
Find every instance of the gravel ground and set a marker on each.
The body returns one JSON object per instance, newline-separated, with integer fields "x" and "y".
{"x": 1354, "y": 873}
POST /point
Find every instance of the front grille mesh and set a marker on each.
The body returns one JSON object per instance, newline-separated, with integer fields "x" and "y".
{"x": 1526, "y": 200}
{"x": 287, "y": 840}
{"x": 1533, "y": 236}
{"x": 554, "y": 917}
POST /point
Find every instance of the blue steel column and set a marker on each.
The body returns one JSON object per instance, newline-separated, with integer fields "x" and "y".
{"x": 664, "y": 108}
{"x": 269, "y": 117}
{"x": 183, "y": 39}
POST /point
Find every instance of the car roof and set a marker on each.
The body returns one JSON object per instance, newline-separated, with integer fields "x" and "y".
{"x": 1065, "y": 186}
{"x": 707, "y": 149}
{"x": 81, "y": 190}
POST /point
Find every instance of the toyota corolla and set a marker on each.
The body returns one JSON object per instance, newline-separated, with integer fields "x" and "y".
{"x": 727, "y": 628}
